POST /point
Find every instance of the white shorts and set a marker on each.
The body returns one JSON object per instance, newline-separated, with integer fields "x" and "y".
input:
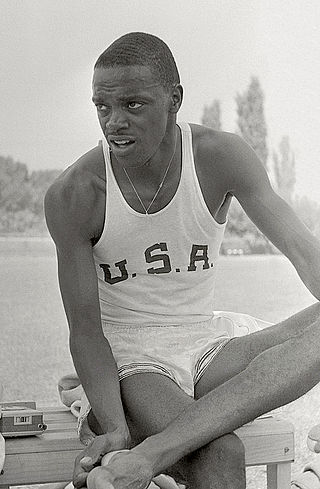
{"x": 180, "y": 352}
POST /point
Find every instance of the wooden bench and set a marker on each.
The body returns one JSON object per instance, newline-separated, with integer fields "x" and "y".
{"x": 50, "y": 457}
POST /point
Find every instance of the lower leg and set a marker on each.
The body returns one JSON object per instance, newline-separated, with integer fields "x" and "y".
{"x": 218, "y": 465}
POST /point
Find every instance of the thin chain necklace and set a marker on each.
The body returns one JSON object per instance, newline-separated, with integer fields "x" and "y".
{"x": 146, "y": 209}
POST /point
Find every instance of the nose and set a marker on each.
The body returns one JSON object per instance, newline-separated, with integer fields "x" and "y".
{"x": 116, "y": 121}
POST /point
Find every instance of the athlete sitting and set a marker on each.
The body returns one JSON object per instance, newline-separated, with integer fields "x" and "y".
{"x": 138, "y": 222}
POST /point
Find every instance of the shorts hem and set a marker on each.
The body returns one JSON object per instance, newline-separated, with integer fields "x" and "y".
{"x": 207, "y": 358}
{"x": 146, "y": 371}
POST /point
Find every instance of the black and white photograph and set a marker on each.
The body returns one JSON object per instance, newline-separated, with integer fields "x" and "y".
{"x": 160, "y": 244}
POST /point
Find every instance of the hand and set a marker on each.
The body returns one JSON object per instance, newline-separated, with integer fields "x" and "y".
{"x": 91, "y": 456}
{"x": 123, "y": 471}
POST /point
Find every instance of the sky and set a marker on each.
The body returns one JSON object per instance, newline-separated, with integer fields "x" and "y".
{"x": 48, "y": 48}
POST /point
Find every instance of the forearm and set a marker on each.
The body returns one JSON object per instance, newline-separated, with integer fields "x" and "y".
{"x": 97, "y": 370}
{"x": 275, "y": 377}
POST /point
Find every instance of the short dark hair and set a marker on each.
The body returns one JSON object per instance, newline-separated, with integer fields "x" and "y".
{"x": 140, "y": 48}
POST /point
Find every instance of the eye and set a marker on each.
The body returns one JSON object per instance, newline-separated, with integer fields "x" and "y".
{"x": 102, "y": 108}
{"x": 134, "y": 105}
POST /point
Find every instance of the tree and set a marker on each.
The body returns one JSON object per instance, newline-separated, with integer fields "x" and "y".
{"x": 252, "y": 127}
{"x": 251, "y": 120}
{"x": 14, "y": 192}
{"x": 21, "y": 197}
{"x": 211, "y": 116}
{"x": 39, "y": 182}
{"x": 284, "y": 170}
{"x": 309, "y": 213}
{"x": 239, "y": 225}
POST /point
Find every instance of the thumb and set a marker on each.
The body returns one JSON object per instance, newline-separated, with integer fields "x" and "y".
{"x": 87, "y": 463}
{"x": 93, "y": 454}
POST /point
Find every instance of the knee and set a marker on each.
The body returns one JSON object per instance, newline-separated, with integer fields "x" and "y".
{"x": 220, "y": 462}
{"x": 228, "y": 449}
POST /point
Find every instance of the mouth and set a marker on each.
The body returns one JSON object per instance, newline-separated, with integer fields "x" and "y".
{"x": 120, "y": 143}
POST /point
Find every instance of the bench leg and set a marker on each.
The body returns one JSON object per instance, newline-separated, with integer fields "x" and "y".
{"x": 279, "y": 476}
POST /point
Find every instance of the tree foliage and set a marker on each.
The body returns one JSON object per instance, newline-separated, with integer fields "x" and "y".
{"x": 251, "y": 121}
{"x": 284, "y": 170}
{"x": 309, "y": 213}
{"x": 21, "y": 197}
{"x": 241, "y": 233}
{"x": 211, "y": 116}
{"x": 250, "y": 238}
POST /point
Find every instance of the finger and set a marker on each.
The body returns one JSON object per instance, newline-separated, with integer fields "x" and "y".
{"x": 86, "y": 463}
{"x": 80, "y": 480}
{"x": 92, "y": 456}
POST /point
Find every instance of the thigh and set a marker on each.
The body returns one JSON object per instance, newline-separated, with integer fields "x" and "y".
{"x": 151, "y": 401}
{"x": 239, "y": 352}
{"x": 231, "y": 360}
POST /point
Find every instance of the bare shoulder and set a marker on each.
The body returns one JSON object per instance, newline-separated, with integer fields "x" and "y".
{"x": 228, "y": 157}
{"x": 216, "y": 145}
{"x": 73, "y": 201}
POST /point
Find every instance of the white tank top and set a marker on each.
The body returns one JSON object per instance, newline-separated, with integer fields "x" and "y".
{"x": 158, "y": 268}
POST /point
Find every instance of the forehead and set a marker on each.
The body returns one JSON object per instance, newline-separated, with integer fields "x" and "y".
{"x": 125, "y": 79}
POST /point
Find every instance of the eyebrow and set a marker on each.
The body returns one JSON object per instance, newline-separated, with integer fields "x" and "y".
{"x": 99, "y": 98}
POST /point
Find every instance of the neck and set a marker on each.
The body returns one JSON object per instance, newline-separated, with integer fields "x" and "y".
{"x": 152, "y": 185}
{"x": 151, "y": 171}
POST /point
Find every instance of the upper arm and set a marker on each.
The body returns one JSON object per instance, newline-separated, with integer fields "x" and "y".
{"x": 250, "y": 184}
{"x": 68, "y": 208}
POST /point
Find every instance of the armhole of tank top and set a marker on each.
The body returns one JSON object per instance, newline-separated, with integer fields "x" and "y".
{"x": 103, "y": 149}
{"x": 193, "y": 173}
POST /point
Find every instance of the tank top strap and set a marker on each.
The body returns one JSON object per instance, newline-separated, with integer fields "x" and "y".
{"x": 113, "y": 192}
{"x": 189, "y": 177}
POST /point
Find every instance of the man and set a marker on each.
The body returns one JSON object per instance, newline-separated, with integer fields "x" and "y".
{"x": 137, "y": 223}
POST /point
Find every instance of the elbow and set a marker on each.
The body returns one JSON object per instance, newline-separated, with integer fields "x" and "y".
{"x": 308, "y": 268}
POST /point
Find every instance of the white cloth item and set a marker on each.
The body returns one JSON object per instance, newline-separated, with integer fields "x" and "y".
{"x": 75, "y": 408}
{"x": 313, "y": 440}
{"x": 310, "y": 477}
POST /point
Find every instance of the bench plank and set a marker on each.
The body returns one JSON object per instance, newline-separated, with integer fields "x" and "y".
{"x": 38, "y": 468}
{"x": 50, "y": 457}
{"x": 267, "y": 441}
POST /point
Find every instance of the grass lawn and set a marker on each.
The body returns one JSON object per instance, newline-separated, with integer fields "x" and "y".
{"x": 34, "y": 332}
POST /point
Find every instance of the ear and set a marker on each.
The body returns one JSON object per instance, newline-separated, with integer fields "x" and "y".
{"x": 176, "y": 98}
